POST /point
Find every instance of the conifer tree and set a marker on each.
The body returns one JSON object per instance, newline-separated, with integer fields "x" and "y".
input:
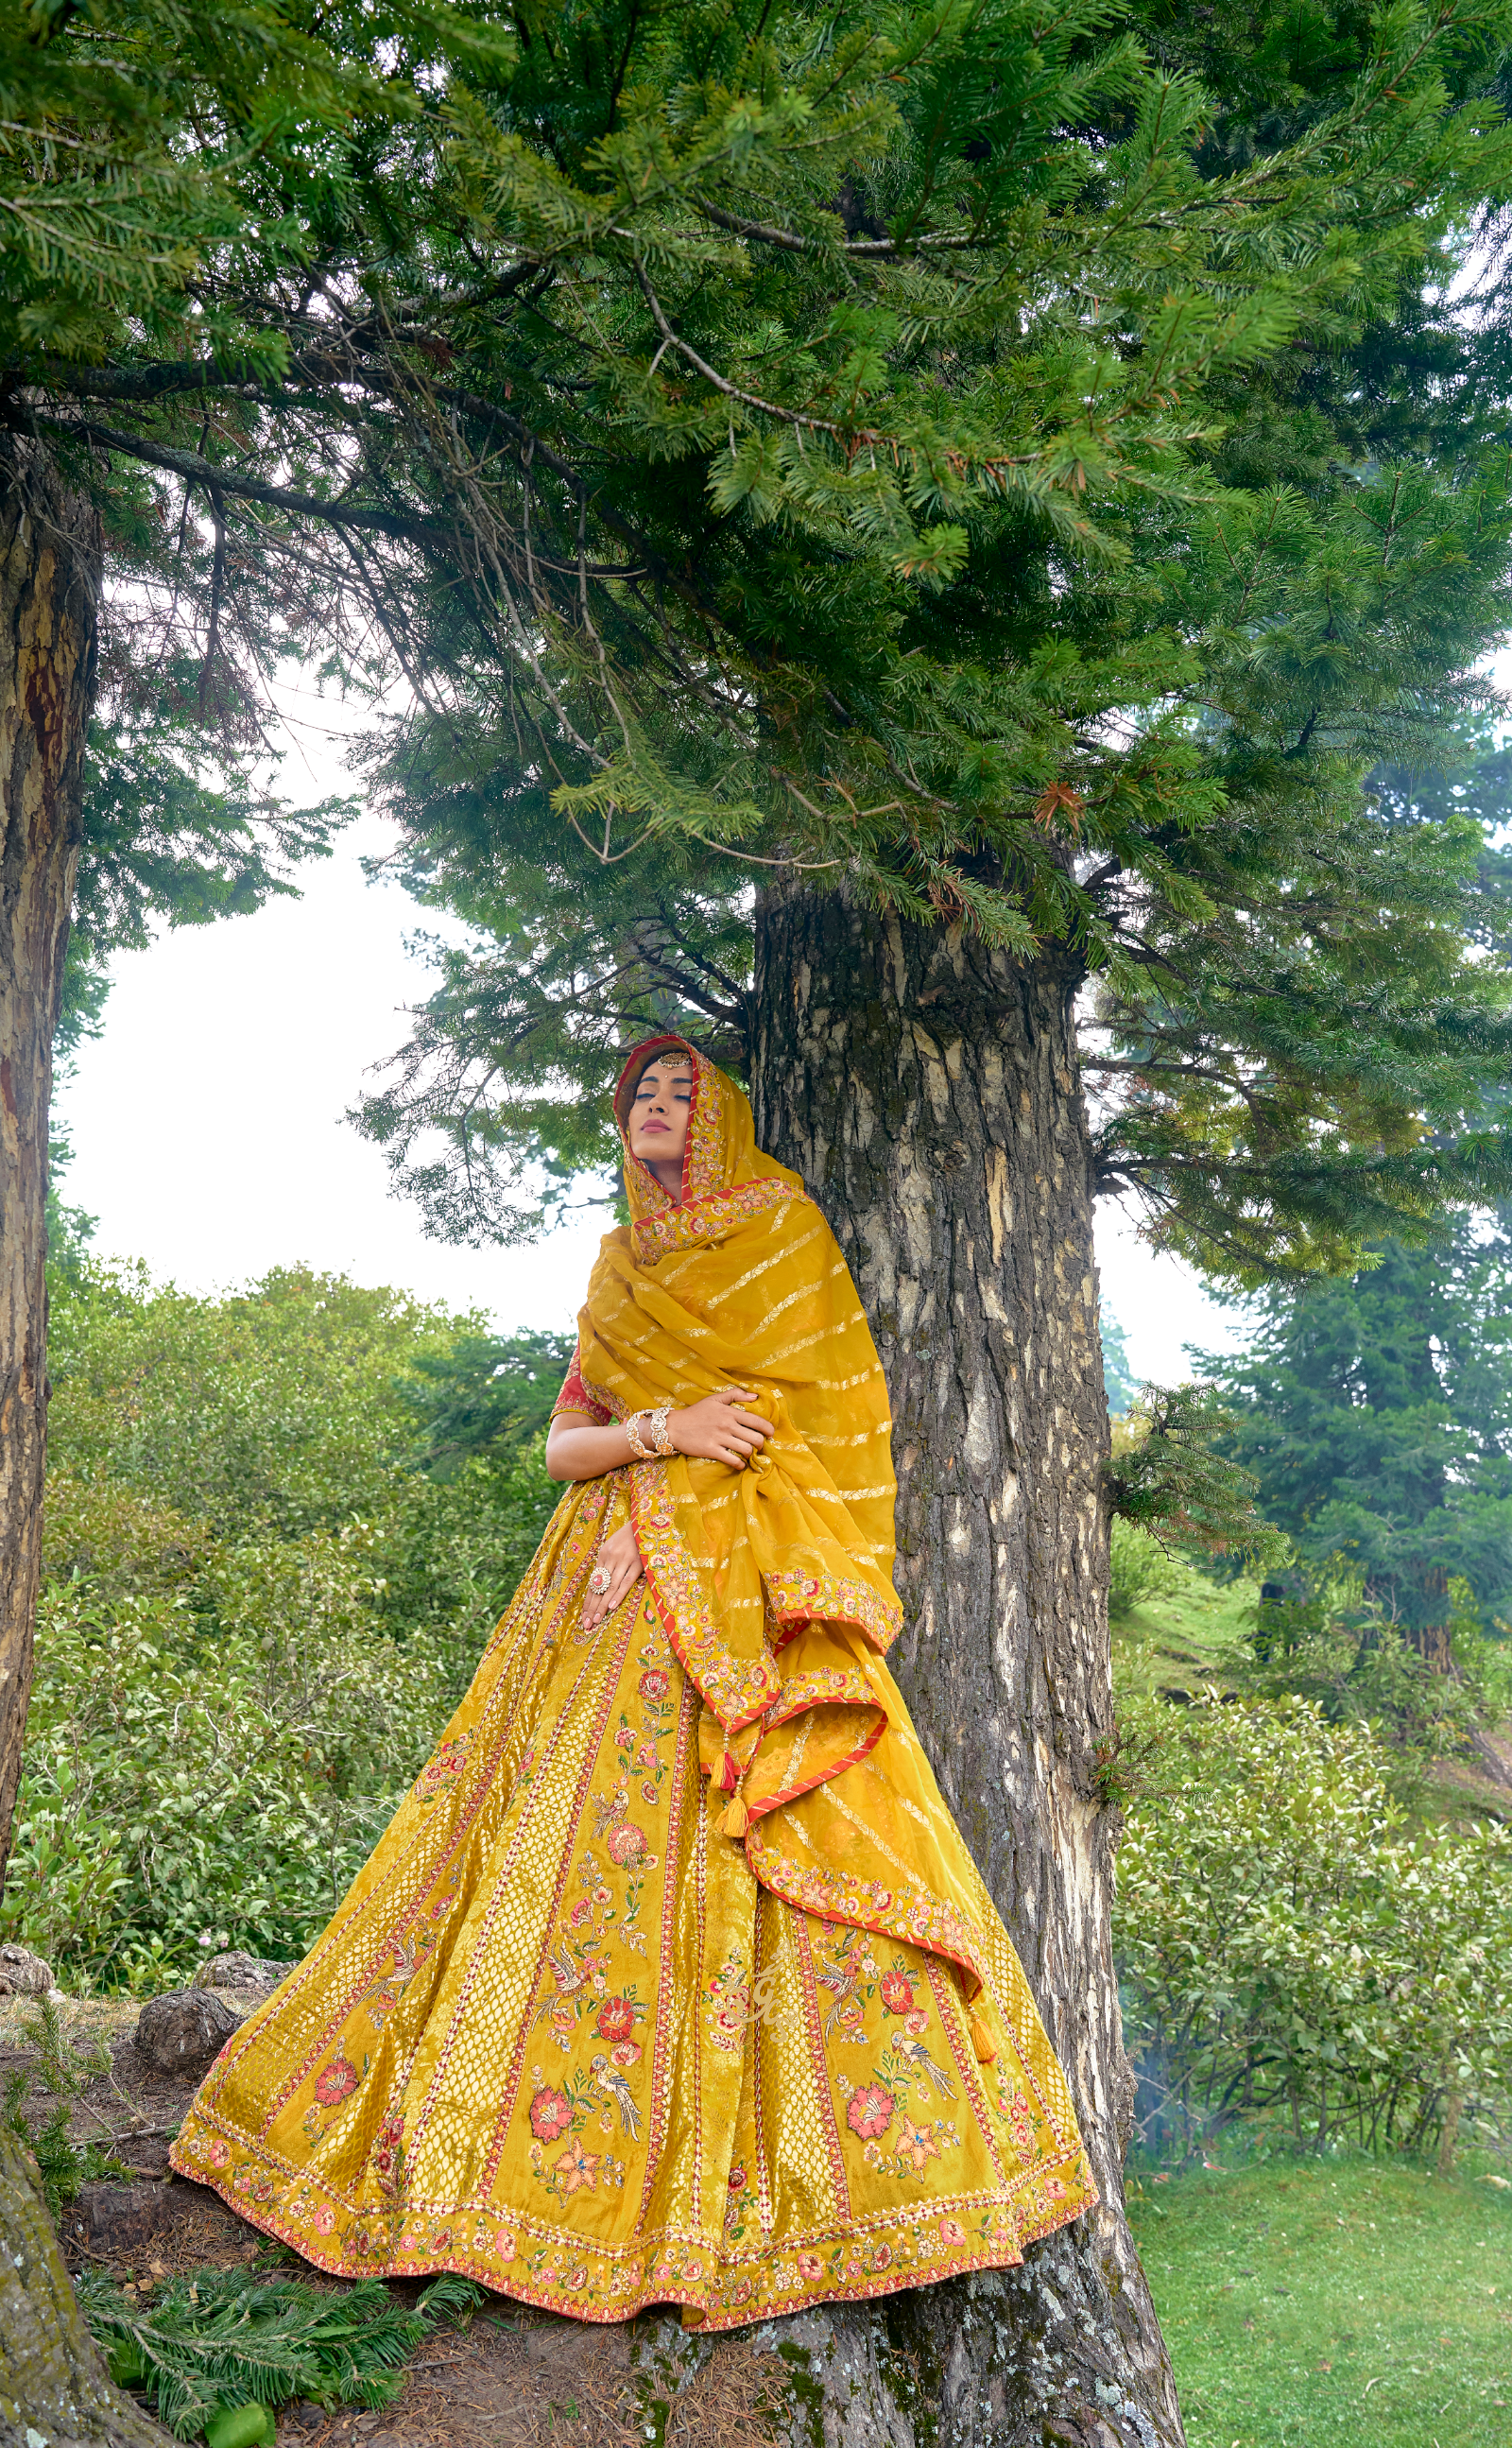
{"x": 912, "y": 465}
{"x": 1376, "y": 1415}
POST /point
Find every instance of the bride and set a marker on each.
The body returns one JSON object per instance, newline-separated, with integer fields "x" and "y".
{"x": 672, "y": 1980}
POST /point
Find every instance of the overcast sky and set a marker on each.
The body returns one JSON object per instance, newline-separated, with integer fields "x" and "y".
{"x": 208, "y": 1130}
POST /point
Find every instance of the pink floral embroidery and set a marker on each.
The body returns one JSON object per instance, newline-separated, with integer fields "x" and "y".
{"x": 654, "y": 1684}
{"x": 869, "y": 2110}
{"x": 897, "y": 1993}
{"x": 336, "y": 2082}
{"x": 952, "y": 2233}
{"x": 626, "y": 1844}
{"x": 550, "y": 2113}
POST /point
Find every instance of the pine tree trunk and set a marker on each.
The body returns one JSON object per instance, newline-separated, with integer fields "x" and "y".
{"x": 927, "y": 1092}
{"x": 53, "y": 2384}
{"x": 50, "y": 579}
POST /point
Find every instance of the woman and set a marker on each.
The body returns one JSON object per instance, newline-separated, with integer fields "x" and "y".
{"x": 672, "y": 1980}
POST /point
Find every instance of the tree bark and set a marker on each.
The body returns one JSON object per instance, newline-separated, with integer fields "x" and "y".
{"x": 49, "y": 582}
{"x": 927, "y": 1092}
{"x": 53, "y": 2384}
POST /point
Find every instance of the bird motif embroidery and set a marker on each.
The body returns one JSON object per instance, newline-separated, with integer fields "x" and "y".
{"x": 919, "y": 2058}
{"x": 613, "y": 2084}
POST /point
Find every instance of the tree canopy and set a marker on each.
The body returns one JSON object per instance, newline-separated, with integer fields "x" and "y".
{"x": 984, "y": 457}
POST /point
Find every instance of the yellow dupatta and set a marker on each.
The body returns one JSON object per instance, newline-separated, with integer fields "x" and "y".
{"x": 773, "y": 1582}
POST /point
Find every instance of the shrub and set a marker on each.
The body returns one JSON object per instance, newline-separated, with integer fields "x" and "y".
{"x": 1288, "y": 1953}
{"x": 1140, "y": 1569}
{"x": 257, "y": 1613}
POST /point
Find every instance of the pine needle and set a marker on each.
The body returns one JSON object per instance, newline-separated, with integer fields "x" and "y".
{"x": 226, "y": 2339}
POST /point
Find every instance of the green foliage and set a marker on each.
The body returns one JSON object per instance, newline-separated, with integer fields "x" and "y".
{"x": 257, "y": 1612}
{"x": 1375, "y": 1416}
{"x": 485, "y": 1392}
{"x": 1169, "y": 1476}
{"x": 1140, "y": 1569}
{"x": 1026, "y": 469}
{"x": 224, "y": 2339}
{"x": 1333, "y": 2301}
{"x": 65, "y": 2073}
{"x": 1290, "y": 1956}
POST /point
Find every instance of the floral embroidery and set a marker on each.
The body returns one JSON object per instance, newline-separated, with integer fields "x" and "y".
{"x": 388, "y": 2155}
{"x": 550, "y": 2113}
{"x": 442, "y": 1768}
{"x": 729, "y": 2008}
{"x": 336, "y": 2082}
{"x": 829, "y": 1597}
{"x": 707, "y": 1218}
{"x": 738, "y": 1690}
{"x": 869, "y": 2110}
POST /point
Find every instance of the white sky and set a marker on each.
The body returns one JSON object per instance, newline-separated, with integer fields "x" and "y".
{"x": 209, "y": 1131}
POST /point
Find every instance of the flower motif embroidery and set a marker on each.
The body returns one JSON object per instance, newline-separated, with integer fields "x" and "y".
{"x": 627, "y": 1845}
{"x": 917, "y": 2144}
{"x": 897, "y": 1993}
{"x": 550, "y": 2113}
{"x": 809, "y": 2266}
{"x": 616, "y": 2021}
{"x": 952, "y": 2233}
{"x": 575, "y": 2169}
{"x": 869, "y": 2110}
{"x": 324, "y": 2220}
{"x": 336, "y": 2082}
{"x": 626, "y": 2053}
{"x": 219, "y": 2154}
{"x": 654, "y": 1684}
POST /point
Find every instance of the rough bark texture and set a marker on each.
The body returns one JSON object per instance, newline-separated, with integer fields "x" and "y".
{"x": 55, "y": 2387}
{"x": 927, "y": 1092}
{"x": 50, "y": 577}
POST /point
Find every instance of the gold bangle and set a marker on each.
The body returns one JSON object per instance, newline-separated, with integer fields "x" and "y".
{"x": 641, "y": 1452}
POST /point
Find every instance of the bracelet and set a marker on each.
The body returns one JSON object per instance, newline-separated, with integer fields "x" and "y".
{"x": 644, "y": 1425}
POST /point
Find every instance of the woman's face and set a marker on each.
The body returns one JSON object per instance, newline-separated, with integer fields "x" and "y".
{"x": 659, "y": 1121}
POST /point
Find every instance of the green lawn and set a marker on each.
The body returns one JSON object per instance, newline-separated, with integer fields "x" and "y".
{"x": 1337, "y": 2306}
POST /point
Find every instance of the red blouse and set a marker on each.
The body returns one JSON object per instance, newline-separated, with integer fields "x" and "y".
{"x": 576, "y": 1397}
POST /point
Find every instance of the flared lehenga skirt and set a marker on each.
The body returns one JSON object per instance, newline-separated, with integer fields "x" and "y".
{"x": 560, "y": 2036}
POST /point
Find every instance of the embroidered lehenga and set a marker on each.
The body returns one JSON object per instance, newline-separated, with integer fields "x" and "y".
{"x": 672, "y": 1980}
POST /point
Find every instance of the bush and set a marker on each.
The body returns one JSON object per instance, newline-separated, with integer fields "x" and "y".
{"x": 1287, "y": 1954}
{"x": 1140, "y": 1569}
{"x": 258, "y": 1611}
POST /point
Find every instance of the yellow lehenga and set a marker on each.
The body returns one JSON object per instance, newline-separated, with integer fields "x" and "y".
{"x": 672, "y": 1980}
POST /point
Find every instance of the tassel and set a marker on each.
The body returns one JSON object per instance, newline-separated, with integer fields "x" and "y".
{"x": 982, "y": 2041}
{"x": 737, "y": 1818}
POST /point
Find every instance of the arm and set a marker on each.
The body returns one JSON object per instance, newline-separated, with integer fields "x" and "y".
{"x": 577, "y": 1447}
{"x": 714, "y": 1431}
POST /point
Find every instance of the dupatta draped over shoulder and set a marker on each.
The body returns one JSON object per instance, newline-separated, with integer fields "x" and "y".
{"x": 775, "y": 1582}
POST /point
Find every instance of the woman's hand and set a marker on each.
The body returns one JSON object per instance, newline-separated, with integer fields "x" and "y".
{"x": 620, "y": 1558}
{"x": 718, "y": 1430}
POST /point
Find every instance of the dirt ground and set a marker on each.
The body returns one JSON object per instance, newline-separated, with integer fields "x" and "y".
{"x": 516, "y": 2378}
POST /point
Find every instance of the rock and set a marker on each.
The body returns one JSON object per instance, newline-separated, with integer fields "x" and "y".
{"x": 238, "y": 1969}
{"x": 23, "y": 1974}
{"x": 184, "y": 2032}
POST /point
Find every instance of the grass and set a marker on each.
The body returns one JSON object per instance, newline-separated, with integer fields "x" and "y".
{"x": 1194, "y": 1634}
{"x": 1344, "y": 2303}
